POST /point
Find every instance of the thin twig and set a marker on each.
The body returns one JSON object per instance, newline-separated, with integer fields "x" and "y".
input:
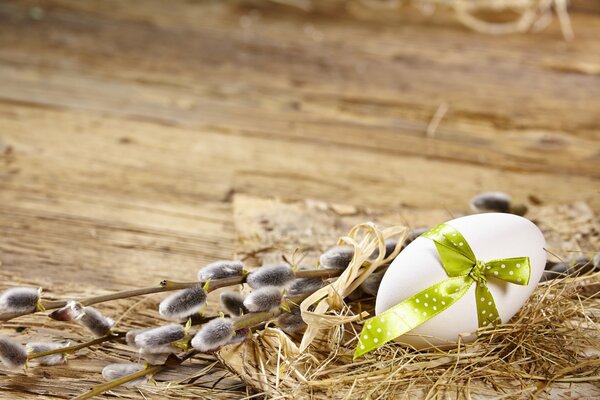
{"x": 172, "y": 361}
{"x": 99, "y": 389}
{"x": 167, "y": 286}
{"x": 248, "y": 320}
{"x": 69, "y": 349}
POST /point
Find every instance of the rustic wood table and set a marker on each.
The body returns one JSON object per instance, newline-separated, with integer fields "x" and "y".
{"x": 126, "y": 128}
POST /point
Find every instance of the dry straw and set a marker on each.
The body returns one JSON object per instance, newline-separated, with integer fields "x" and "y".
{"x": 553, "y": 340}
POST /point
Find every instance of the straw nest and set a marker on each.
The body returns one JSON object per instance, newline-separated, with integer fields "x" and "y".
{"x": 551, "y": 344}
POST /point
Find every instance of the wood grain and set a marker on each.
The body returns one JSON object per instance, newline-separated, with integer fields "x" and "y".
{"x": 126, "y": 128}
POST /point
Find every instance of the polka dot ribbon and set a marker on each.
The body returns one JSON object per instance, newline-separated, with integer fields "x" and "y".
{"x": 463, "y": 270}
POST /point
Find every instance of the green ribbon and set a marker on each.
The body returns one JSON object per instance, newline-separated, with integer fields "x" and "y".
{"x": 463, "y": 270}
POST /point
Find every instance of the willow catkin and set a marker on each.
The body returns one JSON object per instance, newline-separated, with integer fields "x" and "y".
{"x": 390, "y": 246}
{"x": 291, "y": 322}
{"x": 50, "y": 360}
{"x": 148, "y": 351}
{"x": 120, "y": 370}
{"x": 132, "y": 334}
{"x": 157, "y": 358}
{"x": 183, "y": 303}
{"x": 160, "y": 336}
{"x": 221, "y": 270}
{"x": 95, "y": 321}
{"x": 12, "y": 354}
{"x": 233, "y": 303}
{"x": 266, "y": 298}
{"x": 20, "y": 300}
{"x": 239, "y": 336}
{"x": 371, "y": 284}
{"x": 337, "y": 257}
{"x": 305, "y": 285}
{"x": 574, "y": 266}
{"x": 213, "y": 334}
{"x": 491, "y": 202}
{"x": 271, "y": 275}
{"x": 153, "y": 355}
{"x": 70, "y": 312}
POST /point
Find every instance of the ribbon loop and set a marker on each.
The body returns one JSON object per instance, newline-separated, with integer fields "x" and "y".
{"x": 514, "y": 270}
{"x": 463, "y": 269}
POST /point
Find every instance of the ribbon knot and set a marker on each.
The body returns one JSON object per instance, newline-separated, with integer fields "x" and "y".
{"x": 463, "y": 270}
{"x": 478, "y": 272}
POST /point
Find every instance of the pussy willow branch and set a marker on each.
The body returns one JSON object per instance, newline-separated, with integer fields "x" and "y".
{"x": 97, "y": 390}
{"x": 245, "y": 321}
{"x": 248, "y": 320}
{"x": 167, "y": 286}
{"x": 196, "y": 320}
{"x": 69, "y": 349}
{"x": 256, "y": 318}
{"x": 171, "y": 362}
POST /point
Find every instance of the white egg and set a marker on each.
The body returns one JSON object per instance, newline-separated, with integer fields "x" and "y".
{"x": 491, "y": 236}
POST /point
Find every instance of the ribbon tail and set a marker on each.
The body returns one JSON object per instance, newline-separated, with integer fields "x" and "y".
{"x": 487, "y": 313}
{"x": 410, "y": 313}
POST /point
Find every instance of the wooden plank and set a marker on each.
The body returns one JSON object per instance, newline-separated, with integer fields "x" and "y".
{"x": 376, "y": 94}
{"x": 126, "y": 129}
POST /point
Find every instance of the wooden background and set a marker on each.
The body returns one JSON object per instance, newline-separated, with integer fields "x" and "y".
{"x": 126, "y": 127}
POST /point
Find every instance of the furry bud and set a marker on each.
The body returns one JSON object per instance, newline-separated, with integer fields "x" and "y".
{"x": 70, "y": 312}
{"x": 52, "y": 359}
{"x": 20, "y": 300}
{"x": 95, "y": 322}
{"x": 239, "y": 336}
{"x": 337, "y": 257}
{"x": 371, "y": 284}
{"x": 221, "y": 270}
{"x": 305, "y": 285}
{"x": 154, "y": 355}
{"x": 132, "y": 334}
{"x": 270, "y": 275}
{"x": 570, "y": 267}
{"x": 577, "y": 266}
{"x": 233, "y": 303}
{"x": 116, "y": 371}
{"x": 213, "y": 334}
{"x": 157, "y": 358}
{"x": 12, "y": 354}
{"x": 390, "y": 245}
{"x": 267, "y": 298}
{"x": 491, "y": 202}
{"x": 163, "y": 335}
{"x": 291, "y": 322}
{"x": 182, "y": 304}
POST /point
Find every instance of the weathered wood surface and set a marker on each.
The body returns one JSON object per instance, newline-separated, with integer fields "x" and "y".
{"x": 126, "y": 127}
{"x": 268, "y": 228}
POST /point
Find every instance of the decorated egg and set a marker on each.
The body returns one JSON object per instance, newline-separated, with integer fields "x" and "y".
{"x": 444, "y": 302}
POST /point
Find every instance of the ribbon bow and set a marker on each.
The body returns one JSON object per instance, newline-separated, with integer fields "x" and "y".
{"x": 463, "y": 270}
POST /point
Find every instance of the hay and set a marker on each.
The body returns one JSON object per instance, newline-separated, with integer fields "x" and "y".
{"x": 552, "y": 342}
